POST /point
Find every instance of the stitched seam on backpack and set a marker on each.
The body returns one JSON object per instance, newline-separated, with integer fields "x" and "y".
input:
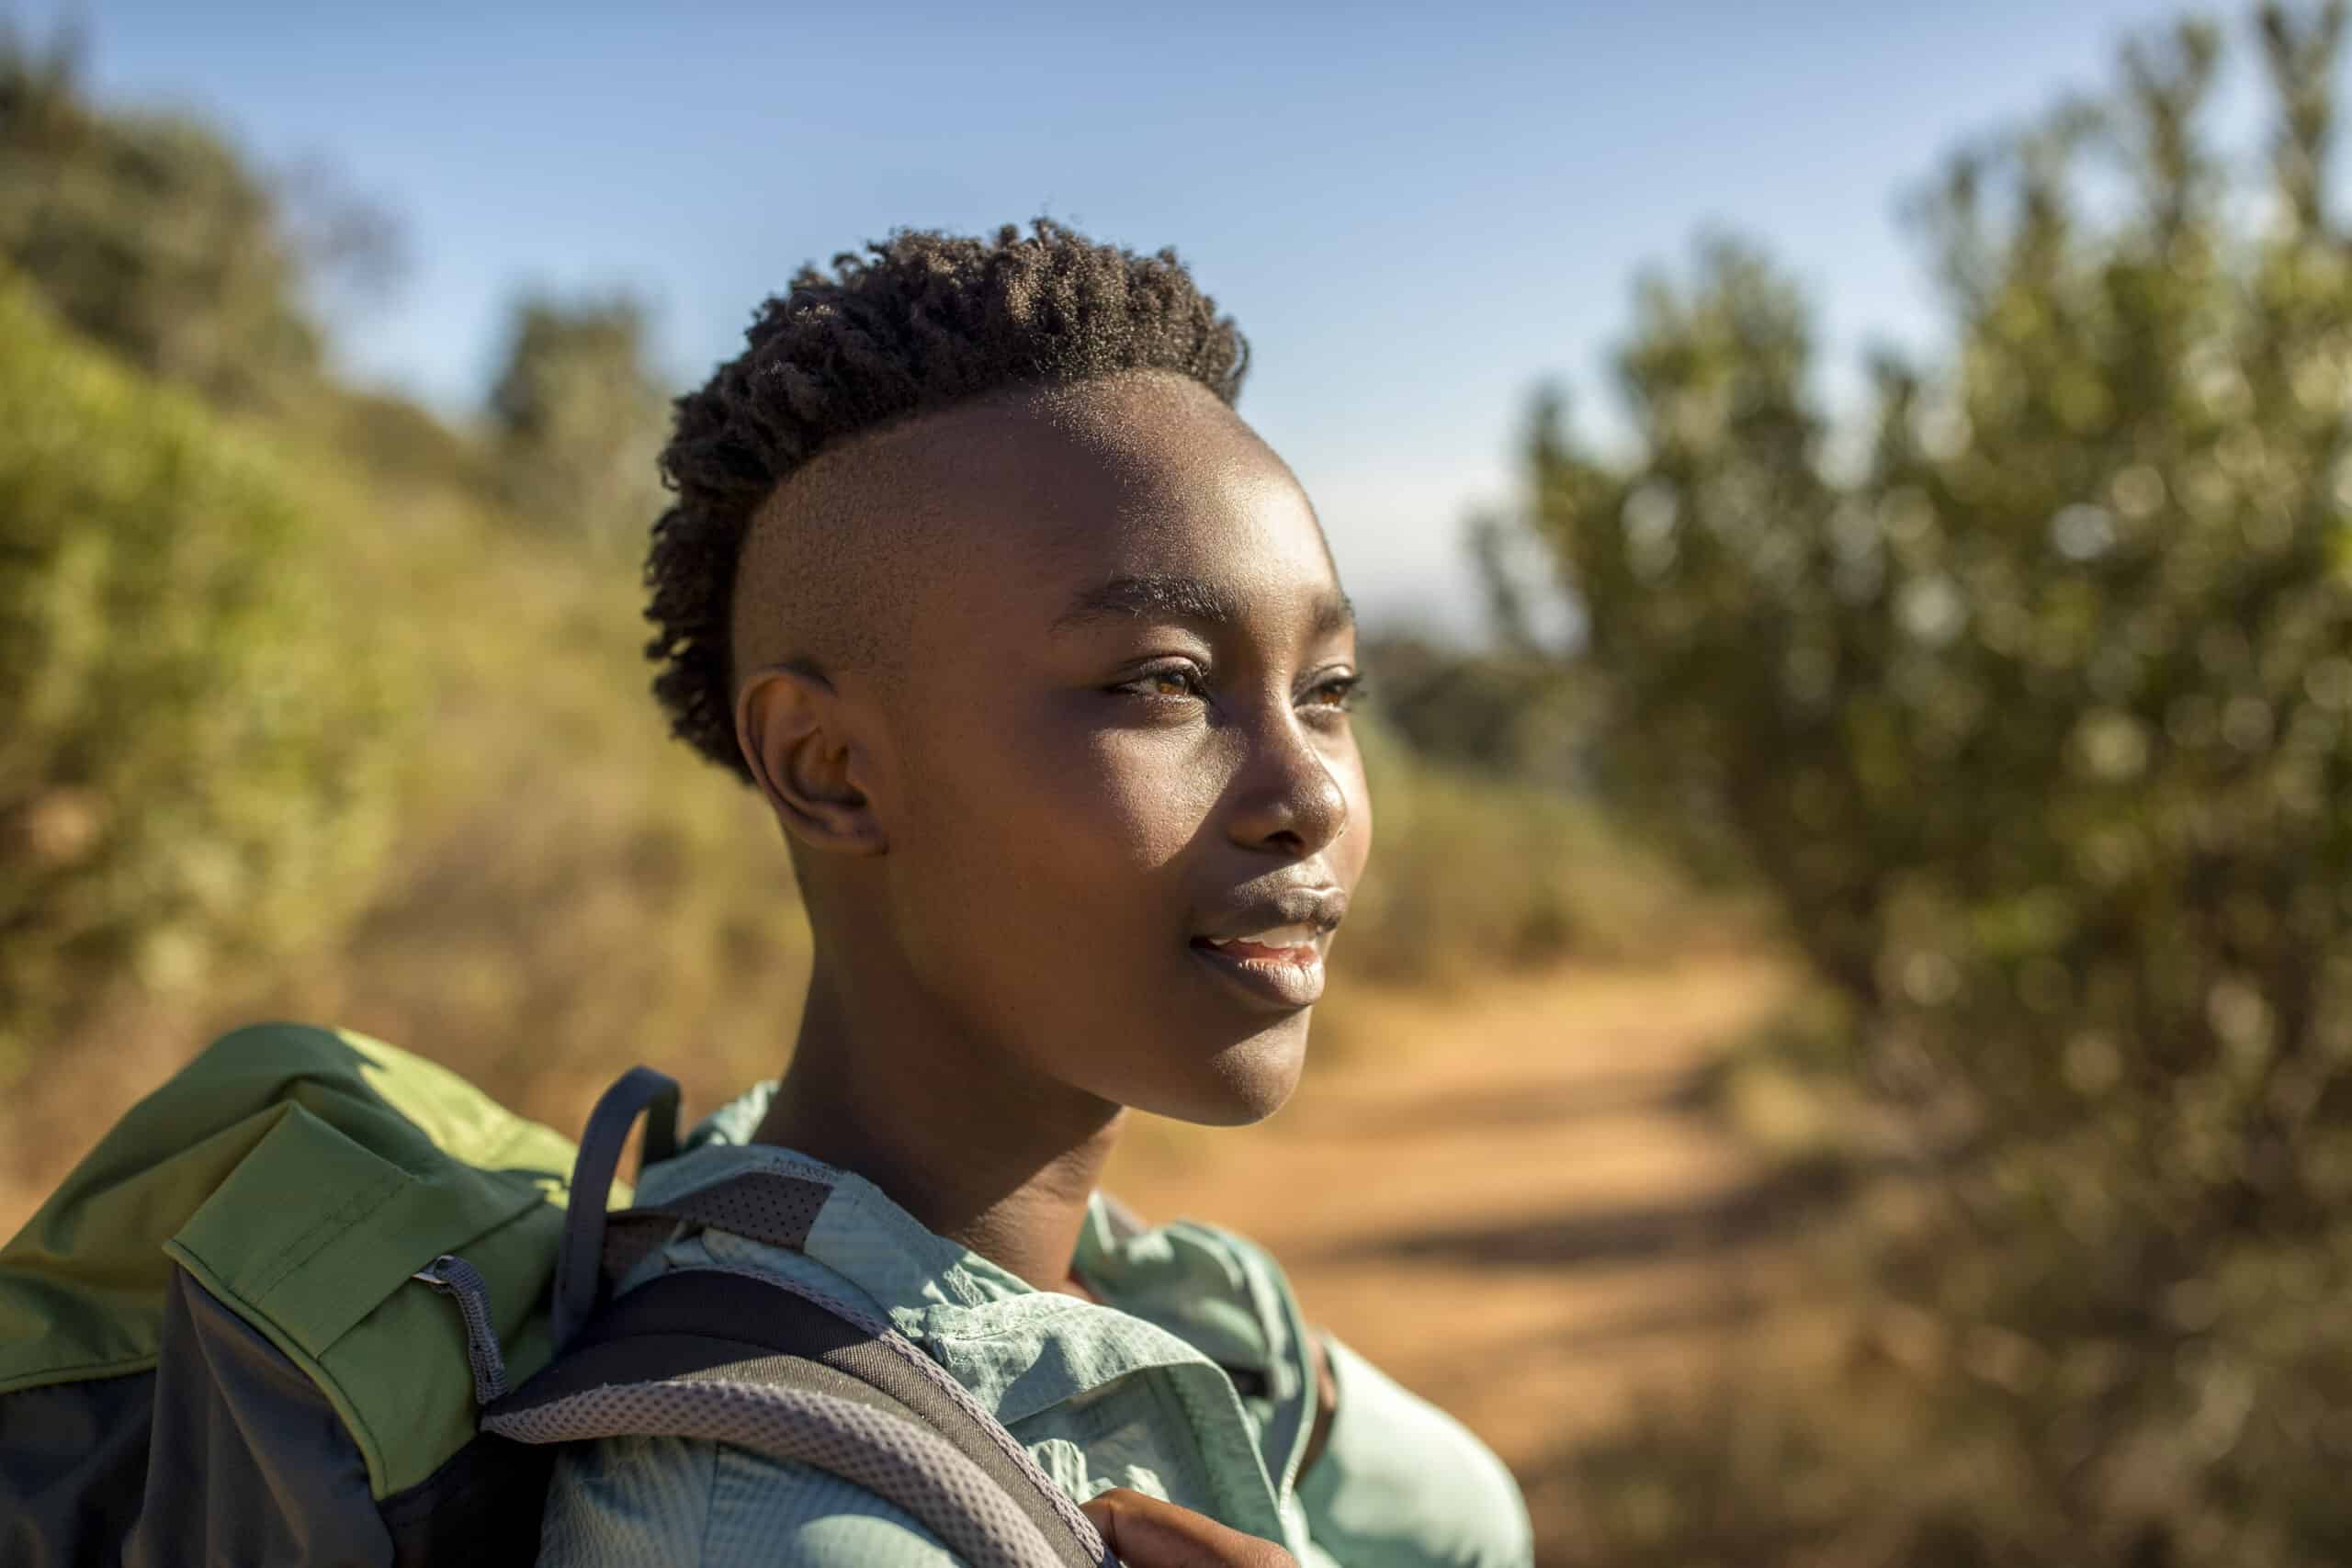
{"x": 306, "y": 1245}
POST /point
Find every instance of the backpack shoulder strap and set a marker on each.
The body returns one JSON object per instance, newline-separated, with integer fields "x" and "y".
{"x": 580, "y": 1276}
{"x": 753, "y": 1360}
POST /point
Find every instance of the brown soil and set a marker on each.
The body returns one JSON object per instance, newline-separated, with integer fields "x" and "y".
{"x": 1517, "y": 1206}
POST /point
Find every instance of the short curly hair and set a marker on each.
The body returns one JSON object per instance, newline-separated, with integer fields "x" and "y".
{"x": 916, "y": 324}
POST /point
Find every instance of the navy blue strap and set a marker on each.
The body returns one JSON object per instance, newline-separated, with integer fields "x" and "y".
{"x": 578, "y": 1261}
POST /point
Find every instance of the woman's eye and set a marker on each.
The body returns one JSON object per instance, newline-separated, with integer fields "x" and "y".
{"x": 1341, "y": 692}
{"x": 1336, "y": 695}
{"x": 1176, "y": 681}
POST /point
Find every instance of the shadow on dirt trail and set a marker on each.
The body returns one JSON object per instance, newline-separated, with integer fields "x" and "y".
{"x": 1580, "y": 1238}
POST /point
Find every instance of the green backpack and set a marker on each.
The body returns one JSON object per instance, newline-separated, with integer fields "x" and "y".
{"x": 275, "y": 1315}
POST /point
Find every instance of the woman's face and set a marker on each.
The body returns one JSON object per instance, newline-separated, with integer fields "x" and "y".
{"x": 1118, "y": 747}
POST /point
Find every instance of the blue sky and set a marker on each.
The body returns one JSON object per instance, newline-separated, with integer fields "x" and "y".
{"x": 1415, "y": 212}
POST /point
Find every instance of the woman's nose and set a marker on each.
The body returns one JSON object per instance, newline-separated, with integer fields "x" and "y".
{"x": 1293, "y": 802}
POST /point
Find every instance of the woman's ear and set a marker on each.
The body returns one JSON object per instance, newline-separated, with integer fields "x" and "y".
{"x": 794, "y": 734}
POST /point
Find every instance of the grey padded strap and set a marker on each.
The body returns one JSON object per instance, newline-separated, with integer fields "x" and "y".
{"x": 749, "y": 1326}
{"x": 878, "y": 1453}
{"x": 777, "y": 1208}
{"x": 948, "y": 1403}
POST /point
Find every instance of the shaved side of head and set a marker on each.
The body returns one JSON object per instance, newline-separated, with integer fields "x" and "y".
{"x": 823, "y": 584}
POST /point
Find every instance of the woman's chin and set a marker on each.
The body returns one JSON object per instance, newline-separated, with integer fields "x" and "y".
{"x": 1246, "y": 1082}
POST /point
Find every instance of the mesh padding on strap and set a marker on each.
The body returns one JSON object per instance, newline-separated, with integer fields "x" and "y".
{"x": 952, "y": 1392}
{"x": 883, "y": 1454}
{"x": 751, "y": 1327}
{"x": 629, "y": 1235}
{"x": 764, "y": 1205}
{"x": 771, "y": 1207}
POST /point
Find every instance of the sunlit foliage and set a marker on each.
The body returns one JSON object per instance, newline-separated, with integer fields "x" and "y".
{"x": 2035, "y": 717}
{"x": 193, "y": 765}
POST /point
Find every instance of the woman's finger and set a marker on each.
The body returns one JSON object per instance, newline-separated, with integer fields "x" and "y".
{"x": 1144, "y": 1532}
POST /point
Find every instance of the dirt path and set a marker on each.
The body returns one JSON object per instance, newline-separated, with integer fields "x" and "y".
{"x": 1520, "y": 1210}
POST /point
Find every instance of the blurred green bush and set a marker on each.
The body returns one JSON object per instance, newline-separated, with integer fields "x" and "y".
{"x": 577, "y": 421}
{"x": 1511, "y": 712}
{"x": 1475, "y": 868}
{"x": 150, "y": 234}
{"x": 193, "y": 760}
{"x": 2033, "y": 713}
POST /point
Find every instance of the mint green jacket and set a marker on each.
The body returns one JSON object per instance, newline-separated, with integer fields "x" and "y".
{"x": 1193, "y": 1383}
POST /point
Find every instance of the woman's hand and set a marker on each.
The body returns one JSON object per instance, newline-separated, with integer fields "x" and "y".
{"x": 1144, "y": 1532}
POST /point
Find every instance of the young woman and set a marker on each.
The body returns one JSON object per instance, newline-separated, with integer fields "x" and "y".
{"x": 1039, "y": 656}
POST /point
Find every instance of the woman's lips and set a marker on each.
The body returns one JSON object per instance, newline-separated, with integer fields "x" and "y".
{"x": 1288, "y": 978}
{"x": 1240, "y": 948}
{"x": 1268, "y": 942}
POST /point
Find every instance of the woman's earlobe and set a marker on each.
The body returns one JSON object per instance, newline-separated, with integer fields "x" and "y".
{"x": 796, "y": 738}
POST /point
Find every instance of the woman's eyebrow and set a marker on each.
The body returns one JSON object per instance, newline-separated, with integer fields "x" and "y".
{"x": 1184, "y": 599}
{"x": 1130, "y": 598}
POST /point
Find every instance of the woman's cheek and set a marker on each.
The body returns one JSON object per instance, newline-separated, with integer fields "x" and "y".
{"x": 1148, "y": 802}
{"x": 1355, "y": 848}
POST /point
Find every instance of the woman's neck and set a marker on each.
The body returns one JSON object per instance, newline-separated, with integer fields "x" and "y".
{"x": 984, "y": 1153}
